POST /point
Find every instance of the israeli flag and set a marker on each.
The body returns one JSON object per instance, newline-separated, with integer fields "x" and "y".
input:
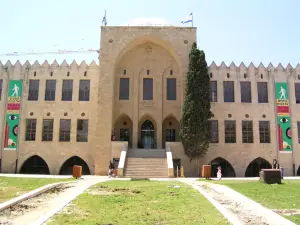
{"x": 188, "y": 19}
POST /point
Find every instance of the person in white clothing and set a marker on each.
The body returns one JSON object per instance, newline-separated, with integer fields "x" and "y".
{"x": 219, "y": 173}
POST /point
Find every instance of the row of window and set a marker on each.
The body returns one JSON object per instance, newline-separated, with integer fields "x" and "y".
{"x": 245, "y": 89}
{"x": 247, "y": 131}
{"x": 64, "y": 130}
{"x": 147, "y": 89}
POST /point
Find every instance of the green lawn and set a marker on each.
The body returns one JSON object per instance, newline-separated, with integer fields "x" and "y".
{"x": 11, "y": 187}
{"x": 274, "y": 196}
{"x": 140, "y": 203}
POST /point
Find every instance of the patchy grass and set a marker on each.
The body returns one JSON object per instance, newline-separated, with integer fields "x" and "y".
{"x": 140, "y": 203}
{"x": 272, "y": 196}
{"x": 11, "y": 187}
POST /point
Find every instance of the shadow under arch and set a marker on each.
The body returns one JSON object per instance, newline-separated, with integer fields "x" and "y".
{"x": 122, "y": 130}
{"x": 170, "y": 129}
{"x": 67, "y": 167}
{"x": 298, "y": 171}
{"x": 148, "y": 39}
{"x": 147, "y": 132}
{"x": 35, "y": 165}
{"x": 255, "y": 167}
{"x": 226, "y": 167}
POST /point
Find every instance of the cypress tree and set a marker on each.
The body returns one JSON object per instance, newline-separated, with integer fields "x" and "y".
{"x": 194, "y": 123}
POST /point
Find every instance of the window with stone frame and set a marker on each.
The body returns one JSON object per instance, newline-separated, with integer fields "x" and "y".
{"x": 124, "y": 89}
{"x": 246, "y": 91}
{"x": 298, "y": 129}
{"x": 147, "y": 89}
{"x": 171, "y": 88}
{"x": 67, "y": 90}
{"x": 262, "y": 92}
{"x": 228, "y": 91}
{"x": 82, "y": 130}
{"x": 84, "y": 90}
{"x": 297, "y": 93}
{"x": 170, "y": 135}
{"x": 247, "y": 131}
{"x": 230, "y": 131}
{"x": 264, "y": 132}
{"x": 50, "y": 90}
{"x": 47, "y": 133}
{"x": 213, "y": 89}
{"x": 214, "y": 131}
{"x": 33, "y": 93}
{"x": 30, "y": 133}
{"x": 1, "y": 86}
{"x": 65, "y": 130}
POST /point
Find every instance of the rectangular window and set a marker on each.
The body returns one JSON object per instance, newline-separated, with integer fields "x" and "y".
{"x": 50, "y": 90}
{"x": 246, "y": 91}
{"x": 33, "y": 93}
{"x": 228, "y": 91}
{"x": 171, "y": 89}
{"x": 30, "y": 129}
{"x": 65, "y": 130}
{"x": 247, "y": 131}
{"x": 84, "y": 90}
{"x": 124, "y": 134}
{"x": 213, "y": 87}
{"x": 1, "y": 86}
{"x": 297, "y": 93}
{"x": 230, "y": 131}
{"x": 170, "y": 135}
{"x": 264, "y": 132}
{"x": 214, "y": 131}
{"x": 124, "y": 89}
{"x": 47, "y": 134}
{"x": 82, "y": 131}
{"x": 262, "y": 92}
{"x": 147, "y": 89}
{"x": 67, "y": 90}
{"x": 298, "y": 128}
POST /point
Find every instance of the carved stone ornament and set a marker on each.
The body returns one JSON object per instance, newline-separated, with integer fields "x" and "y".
{"x": 148, "y": 49}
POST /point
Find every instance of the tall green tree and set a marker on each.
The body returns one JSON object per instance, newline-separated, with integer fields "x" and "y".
{"x": 194, "y": 123}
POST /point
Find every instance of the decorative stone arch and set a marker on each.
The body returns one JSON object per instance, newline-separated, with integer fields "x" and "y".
{"x": 170, "y": 130}
{"x": 34, "y": 165}
{"x": 67, "y": 167}
{"x": 144, "y": 125}
{"x": 255, "y": 167}
{"x": 226, "y": 167}
{"x": 123, "y": 129}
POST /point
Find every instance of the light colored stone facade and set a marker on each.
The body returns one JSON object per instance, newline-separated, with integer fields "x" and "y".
{"x": 138, "y": 50}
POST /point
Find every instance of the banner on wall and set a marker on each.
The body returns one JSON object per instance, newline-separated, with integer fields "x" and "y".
{"x": 12, "y": 114}
{"x": 283, "y": 118}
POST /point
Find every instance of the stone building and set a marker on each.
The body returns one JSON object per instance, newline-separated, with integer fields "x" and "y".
{"x": 127, "y": 109}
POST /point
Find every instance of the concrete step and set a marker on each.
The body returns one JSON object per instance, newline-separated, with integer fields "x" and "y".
{"x": 146, "y": 153}
{"x": 141, "y": 177}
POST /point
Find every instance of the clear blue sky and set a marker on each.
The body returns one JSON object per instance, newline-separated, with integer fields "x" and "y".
{"x": 228, "y": 30}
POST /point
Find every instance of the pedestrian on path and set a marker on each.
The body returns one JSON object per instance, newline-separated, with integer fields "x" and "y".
{"x": 219, "y": 173}
{"x": 111, "y": 168}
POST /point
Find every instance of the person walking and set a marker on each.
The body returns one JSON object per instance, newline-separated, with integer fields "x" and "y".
{"x": 219, "y": 173}
{"x": 111, "y": 168}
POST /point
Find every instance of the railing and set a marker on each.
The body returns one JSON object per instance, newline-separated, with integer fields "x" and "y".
{"x": 169, "y": 160}
{"x": 122, "y": 160}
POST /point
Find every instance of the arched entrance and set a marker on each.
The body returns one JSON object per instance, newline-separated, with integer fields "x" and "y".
{"x": 67, "y": 167}
{"x": 170, "y": 129}
{"x": 255, "y": 167}
{"x": 147, "y": 135}
{"x": 35, "y": 165}
{"x": 227, "y": 169}
{"x": 123, "y": 129}
{"x": 298, "y": 171}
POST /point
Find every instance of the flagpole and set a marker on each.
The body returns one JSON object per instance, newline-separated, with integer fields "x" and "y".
{"x": 192, "y": 20}
{"x": 291, "y": 121}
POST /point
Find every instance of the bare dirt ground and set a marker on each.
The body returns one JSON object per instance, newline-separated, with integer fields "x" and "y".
{"x": 30, "y": 209}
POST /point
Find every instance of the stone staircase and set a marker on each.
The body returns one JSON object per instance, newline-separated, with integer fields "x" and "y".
{"x": 146, "y": 163}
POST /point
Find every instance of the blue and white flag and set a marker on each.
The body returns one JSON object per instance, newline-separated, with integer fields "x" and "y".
{"x": 188, "y": 19}
{"x": 104, "y": 21}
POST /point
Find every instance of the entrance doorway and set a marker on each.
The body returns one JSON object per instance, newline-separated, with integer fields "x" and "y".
{"x": 147, "y": 135}
{"x": 256, "y": 166}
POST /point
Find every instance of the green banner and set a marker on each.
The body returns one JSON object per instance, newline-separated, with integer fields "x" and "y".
{"x": 283, "y": 118}
{"x": 12, "y": 114}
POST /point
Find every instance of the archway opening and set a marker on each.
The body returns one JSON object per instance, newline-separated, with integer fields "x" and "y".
{"x": 255, "y": 167}
{"x": 170, "y": 129}
{"x": 147, "y": 135}
{"x": 298, "y": 171}
{"x": 226, "y": 167}
{"x": 35, "y": 165}
{"x": 123, "y": 129}
{"x": 67, "y": 167}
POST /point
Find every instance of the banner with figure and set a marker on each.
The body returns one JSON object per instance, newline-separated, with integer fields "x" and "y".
{"x": 12, "y": 114}
{"x": 283, "y": 118}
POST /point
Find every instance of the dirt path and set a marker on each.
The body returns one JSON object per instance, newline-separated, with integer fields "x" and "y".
{"x": 245, "y": 210}
{"x": 38, "y": 209}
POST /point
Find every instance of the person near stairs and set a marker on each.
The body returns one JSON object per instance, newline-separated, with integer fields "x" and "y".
{"x": 111, "y": 168}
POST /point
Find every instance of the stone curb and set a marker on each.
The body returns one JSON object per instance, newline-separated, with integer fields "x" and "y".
{"x": 47, "y": 216}
{"x": 228, "y": 215}
{"x": 31, "y": 194}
